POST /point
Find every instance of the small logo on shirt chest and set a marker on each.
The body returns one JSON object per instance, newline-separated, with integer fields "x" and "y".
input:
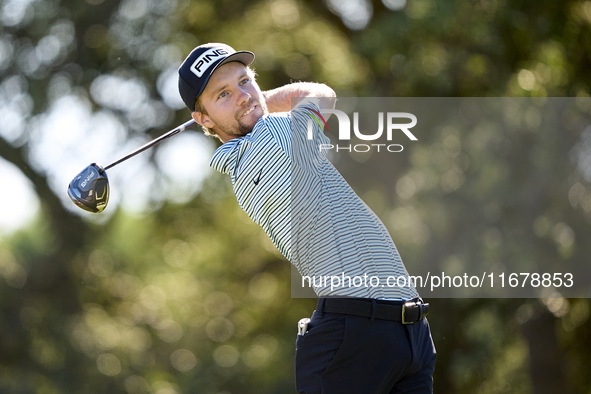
{"x": 258, "y": 178}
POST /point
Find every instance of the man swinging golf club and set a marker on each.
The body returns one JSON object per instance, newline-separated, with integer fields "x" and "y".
{"x": 360, "y": 340}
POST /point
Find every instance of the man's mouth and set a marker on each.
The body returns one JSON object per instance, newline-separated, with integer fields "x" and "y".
{"x": 248, "y": 111}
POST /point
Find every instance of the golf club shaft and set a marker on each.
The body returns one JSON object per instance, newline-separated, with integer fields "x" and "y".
{"x": 172, "y": 132}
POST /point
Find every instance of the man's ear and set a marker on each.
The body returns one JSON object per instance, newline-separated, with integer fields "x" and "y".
{"x": 202, "y": 119}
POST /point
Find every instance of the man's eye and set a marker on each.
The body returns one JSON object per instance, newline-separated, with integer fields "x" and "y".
{"x": 244, "y": 81}
{"x": 223, "y": 94}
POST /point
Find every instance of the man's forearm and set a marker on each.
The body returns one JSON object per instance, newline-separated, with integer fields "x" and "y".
{"x": 280, "y": 99}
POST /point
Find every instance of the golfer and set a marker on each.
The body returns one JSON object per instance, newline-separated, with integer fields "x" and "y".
{"x": 363, "y": 338}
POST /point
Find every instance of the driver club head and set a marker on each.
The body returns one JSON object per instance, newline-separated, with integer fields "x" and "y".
{"x": 90, "y": 189}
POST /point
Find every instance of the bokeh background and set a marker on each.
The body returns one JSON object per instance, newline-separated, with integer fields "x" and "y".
{"x": 173, "y": 290}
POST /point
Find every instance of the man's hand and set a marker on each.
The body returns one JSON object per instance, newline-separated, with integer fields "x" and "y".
{"x": 280, "y": 99}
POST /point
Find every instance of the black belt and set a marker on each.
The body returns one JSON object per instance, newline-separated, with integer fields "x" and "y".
{"x": 406, "y": 312}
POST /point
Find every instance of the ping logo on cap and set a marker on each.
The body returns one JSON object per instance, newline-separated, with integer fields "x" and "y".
{"x": 206, "y": 59}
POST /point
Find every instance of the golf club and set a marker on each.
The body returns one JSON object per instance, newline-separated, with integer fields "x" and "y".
{"x": 89, "y": 190}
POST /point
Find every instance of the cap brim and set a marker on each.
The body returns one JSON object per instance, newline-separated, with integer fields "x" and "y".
{"x": 243, "y": 57}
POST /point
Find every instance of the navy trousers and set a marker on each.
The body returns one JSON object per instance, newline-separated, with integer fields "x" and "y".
{"x": 342, "y": 354}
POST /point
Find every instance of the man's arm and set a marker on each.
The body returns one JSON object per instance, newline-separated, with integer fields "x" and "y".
{"x": 280, "y": 99}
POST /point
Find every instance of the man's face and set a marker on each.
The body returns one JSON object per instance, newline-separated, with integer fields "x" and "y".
{"x": 233, "y": 102}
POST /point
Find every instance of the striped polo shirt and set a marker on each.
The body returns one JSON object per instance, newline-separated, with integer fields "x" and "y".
{"x": 285, "y": 183}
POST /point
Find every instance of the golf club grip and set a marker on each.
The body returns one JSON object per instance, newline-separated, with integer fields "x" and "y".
{"x": 148, "y": 145}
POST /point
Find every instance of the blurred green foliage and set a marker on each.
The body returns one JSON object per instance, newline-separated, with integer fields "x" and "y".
{"x": 192, "y": 297}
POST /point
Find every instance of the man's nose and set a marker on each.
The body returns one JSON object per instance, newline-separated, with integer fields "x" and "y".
{"x": 243, "y": 96}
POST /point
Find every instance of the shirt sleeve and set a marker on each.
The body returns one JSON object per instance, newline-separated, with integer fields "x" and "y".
{"x": 308, "y": 142}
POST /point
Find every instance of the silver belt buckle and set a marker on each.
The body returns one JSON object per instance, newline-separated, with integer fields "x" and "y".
{"x": 404, "y": 306}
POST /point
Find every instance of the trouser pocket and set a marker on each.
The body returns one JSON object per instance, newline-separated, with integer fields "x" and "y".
{"x": 316, "y": 350}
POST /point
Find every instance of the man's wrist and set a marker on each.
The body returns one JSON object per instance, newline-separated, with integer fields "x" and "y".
{"x": 277, "y": 100}
{"x": 281, "y": 99}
